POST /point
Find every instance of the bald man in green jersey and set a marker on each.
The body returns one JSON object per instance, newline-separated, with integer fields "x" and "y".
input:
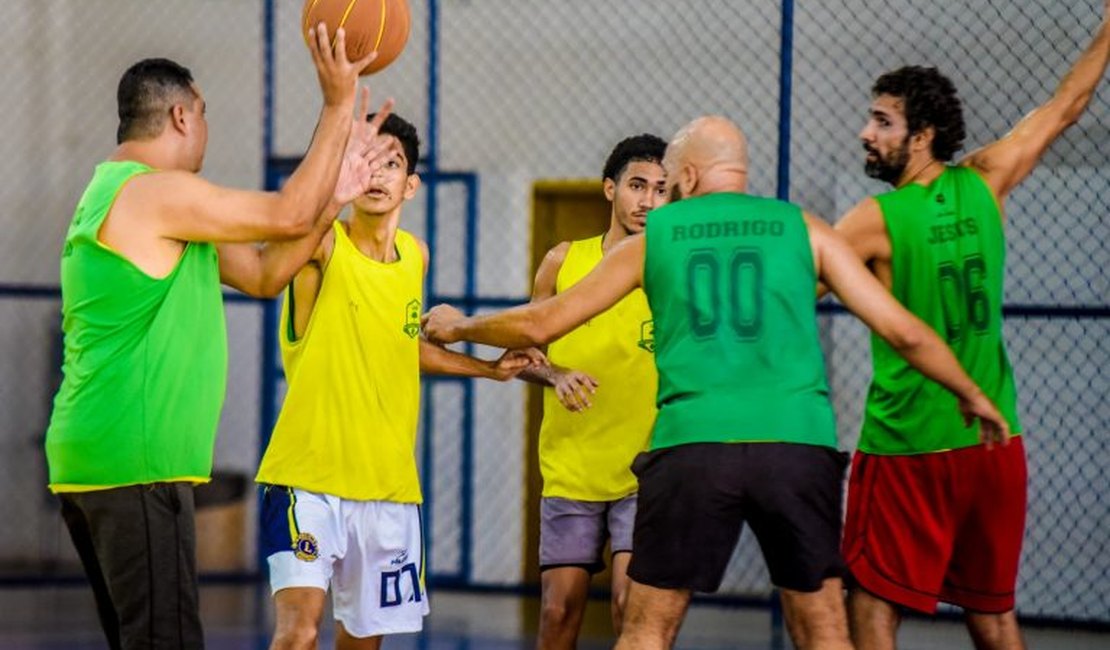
{"x": 745, "y": 431}
{"x": 918, "y": 531}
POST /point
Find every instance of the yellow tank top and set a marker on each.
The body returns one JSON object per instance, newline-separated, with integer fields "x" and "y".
{"x": 348, "y": 423}
{"x": 587, "y": 456}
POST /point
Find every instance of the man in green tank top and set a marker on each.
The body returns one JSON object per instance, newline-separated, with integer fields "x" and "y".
{"x": 145, "y": 364}
{"x": 745, "y": 430}
{"x": 917, "y": 530}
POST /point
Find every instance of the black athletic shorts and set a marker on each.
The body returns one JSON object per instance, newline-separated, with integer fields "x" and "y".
{"x": 695, "y": 498}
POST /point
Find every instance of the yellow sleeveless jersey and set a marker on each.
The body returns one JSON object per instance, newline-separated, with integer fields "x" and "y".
{"x": 348, "y": 423}
{"x": 587, "y": 456}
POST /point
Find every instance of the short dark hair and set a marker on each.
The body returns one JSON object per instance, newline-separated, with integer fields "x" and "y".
{"x": 405, "y": 132}
{"x": 930, "y": 100}
{"x": 639, "y": 148}
{"x": 146, "y": 92}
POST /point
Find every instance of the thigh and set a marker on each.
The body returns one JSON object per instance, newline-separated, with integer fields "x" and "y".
{"x": 572, "y": 534}
{"x": 900, "y": 527}
{"x": 378, "y": 587}
{"x": 688, "y": 515}
{"x": 794, "y": 510}
{"x": 302, "y": 538}
{"x": 621, "y": 521}
{"x": 145, "y": 541}
{"x": 983, "y": 571}
{"x": 80, "y": 533}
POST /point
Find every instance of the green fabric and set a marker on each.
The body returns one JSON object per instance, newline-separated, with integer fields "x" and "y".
{"x": 948, "y": 257}
{"x": 145, "y": 359}
{"x": 731, "y": 283}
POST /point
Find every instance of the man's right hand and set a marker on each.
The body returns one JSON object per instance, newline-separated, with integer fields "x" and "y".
{"x": 338, "y": 76}
{"x": 993, "y": 427}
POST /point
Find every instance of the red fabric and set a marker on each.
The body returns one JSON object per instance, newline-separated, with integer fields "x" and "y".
{"x": 945, "y": 526}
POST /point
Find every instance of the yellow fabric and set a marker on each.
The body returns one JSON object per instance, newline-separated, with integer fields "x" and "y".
{"x": 587, "y": 456}
{"x": 348, "y": 423}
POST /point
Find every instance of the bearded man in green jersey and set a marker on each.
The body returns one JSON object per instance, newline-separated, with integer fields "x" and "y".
{"x": 745, "y": 431}
{"x": 918, "y": 530}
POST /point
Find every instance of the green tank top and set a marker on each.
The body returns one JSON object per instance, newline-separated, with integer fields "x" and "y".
{"x": 948, "y": 256}
{"x": 731, "y": 282}
{"x": 145, "y": 362}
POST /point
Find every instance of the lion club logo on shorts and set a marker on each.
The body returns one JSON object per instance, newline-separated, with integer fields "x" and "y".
{"x": 306, "y": 548}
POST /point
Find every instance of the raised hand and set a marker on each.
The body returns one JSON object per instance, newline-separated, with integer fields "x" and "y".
{"x": 338, "y": 77}
{"x": 366, "y": 150}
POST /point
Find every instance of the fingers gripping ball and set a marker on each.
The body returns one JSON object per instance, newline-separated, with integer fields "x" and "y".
{"x": 381, "y": 25}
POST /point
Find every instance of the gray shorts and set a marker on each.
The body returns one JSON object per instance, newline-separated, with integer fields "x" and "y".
{"x": 573, "y": 533}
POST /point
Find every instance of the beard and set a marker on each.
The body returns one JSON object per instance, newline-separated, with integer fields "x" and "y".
{"x": 676, "y": 194}
{"x": 888, "y": 168}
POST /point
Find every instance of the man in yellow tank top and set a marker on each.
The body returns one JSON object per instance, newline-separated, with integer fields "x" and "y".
{"x": 589, "y": 492}
{"x": 341, "y": 494}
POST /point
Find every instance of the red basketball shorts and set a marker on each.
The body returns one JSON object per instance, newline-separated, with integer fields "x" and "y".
{"x": 943, "y": 526}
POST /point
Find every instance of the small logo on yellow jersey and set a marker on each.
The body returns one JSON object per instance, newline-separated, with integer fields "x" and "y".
{"x": 412, "y": 318}
{"x": 647, "y": 336}
{"x": 306, "y": 548}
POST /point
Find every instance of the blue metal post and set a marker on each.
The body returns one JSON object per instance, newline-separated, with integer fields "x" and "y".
{"x": 786, "y": 74}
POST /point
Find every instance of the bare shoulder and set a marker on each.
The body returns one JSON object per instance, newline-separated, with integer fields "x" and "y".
{"x": 557, "y": 255}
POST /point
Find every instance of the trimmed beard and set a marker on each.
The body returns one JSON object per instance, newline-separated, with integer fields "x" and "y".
{"x": 890, "y": 168}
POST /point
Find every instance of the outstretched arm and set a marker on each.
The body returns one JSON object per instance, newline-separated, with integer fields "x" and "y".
{"x": 865, "y": 231}
{"x": 435, "y": 360}
{"x": 618, "y": 273}
{"x": 840, "y": 268}
{"x": 1008, "y": 161}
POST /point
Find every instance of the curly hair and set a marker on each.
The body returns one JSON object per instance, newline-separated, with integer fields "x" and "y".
{"x": 930, "y": 100}
{"x": 639, "y": 148}
{"x": 405, "y": 132}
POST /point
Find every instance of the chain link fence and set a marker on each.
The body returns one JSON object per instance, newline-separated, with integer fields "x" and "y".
{"x": 506, "y": 93}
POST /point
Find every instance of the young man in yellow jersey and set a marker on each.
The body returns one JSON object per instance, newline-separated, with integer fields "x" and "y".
{"x": 917, "y": 531}
{"x": 745, "y": 431}
{"x": 145, "y": 366}
{"x": 341, "y": 492}
{"x": 589, "y": 492}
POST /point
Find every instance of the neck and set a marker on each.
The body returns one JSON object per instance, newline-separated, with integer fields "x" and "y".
{"x": 923, "y": 172}
{"x": 722, "y": 177}
{"x": 614, "y": 235}
{"x": 152, "y": 153}
{"x": 375, "y": 234}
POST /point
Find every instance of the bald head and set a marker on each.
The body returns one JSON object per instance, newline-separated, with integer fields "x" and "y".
{"x": 707, "y": 155}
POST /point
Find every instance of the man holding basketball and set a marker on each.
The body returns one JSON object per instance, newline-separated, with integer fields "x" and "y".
{"x": 589, "y": 492}
{"x": 917, "y": 532}
{"x": 145, "y": 366}
{"x": 745, "y": 430}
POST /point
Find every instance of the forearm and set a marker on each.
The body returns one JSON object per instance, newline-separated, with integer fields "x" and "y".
{"x": 1078, "y": 85}
{"x": 545, "y": 375}
{"x": 308, "y": 191}
{"x": 928, "y": 354}
{"x": 435, "y": 360}
{"x": 511, "y": 329}
{"x": 280, "y": 261}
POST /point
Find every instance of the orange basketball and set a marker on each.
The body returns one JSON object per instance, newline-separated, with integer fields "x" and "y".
{"x": 381, "y": 25}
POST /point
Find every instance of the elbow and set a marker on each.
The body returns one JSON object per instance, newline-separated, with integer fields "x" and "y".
{"x": 907, "y": 338}
{"x": 537, "y": 333}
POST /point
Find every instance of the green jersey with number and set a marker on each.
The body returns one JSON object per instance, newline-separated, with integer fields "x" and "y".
{"x": 947, "y": 260}
{"x": 731, "y": 283}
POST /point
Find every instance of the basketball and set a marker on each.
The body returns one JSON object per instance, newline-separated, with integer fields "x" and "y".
{"x": 381, "y": 25}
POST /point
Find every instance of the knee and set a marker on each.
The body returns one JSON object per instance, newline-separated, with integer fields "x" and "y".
{"x": 302, "y": 635}
{"x": 558, "y": 613}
